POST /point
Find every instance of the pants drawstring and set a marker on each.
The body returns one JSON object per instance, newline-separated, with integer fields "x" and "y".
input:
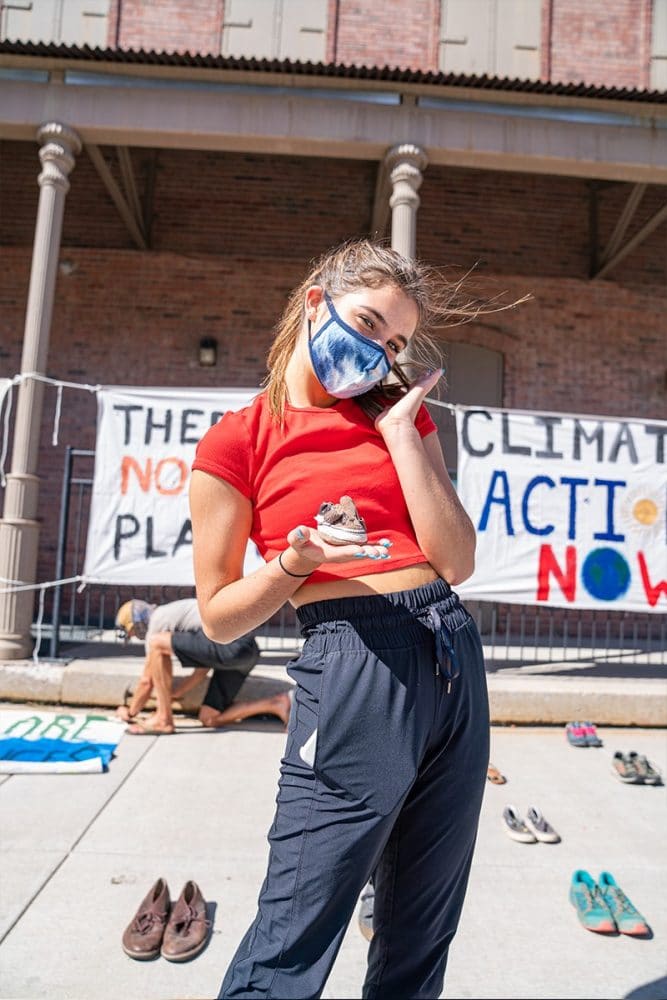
{"x": 445, "y": 657}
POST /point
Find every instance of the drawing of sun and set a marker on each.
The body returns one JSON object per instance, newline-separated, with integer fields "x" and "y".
{"x": 642, "y": 512}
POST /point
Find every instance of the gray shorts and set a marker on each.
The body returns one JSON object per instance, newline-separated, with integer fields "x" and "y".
{"x": 195, "y": 649}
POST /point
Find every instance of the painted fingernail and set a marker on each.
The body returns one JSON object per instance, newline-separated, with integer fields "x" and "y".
{"x": 385, "y": 555}
{"x": 362, "y": 555}
{"x": 300, "y": 535}
{"x": 385, "y": 541}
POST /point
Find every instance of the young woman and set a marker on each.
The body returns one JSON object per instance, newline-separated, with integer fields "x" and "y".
{"x": 387, "y": 748}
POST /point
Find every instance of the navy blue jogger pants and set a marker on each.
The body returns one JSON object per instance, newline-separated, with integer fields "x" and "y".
{"x": 383, "y": 774}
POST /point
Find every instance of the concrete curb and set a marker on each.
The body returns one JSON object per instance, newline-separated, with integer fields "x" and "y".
{"x": 621, "y": 701}
{"x": 515, "y": 699}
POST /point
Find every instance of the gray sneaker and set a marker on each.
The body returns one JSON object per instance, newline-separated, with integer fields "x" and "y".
{"x": 624, "y": 769}
{"x": 340, "y": 523}
{"x": 539, "y": 827}
{"x": 515, "y": 827}
{"x": 647, "y": 772}
{"x": 366, "y": 912}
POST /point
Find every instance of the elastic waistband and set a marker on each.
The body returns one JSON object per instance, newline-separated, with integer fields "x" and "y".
{"x": 401, "y": 604}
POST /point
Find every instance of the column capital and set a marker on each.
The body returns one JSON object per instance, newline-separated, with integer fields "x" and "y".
{"x": 405, "y": 163}
{"x": 59, "y": 146}
{"x": 406, "y": 152}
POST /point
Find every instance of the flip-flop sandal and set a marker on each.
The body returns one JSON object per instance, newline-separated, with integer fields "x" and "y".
{"x": 494, "y": 776}
{"x": 137, "y": 729}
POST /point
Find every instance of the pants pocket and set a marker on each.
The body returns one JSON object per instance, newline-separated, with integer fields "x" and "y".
{"x": 369, "y": 737}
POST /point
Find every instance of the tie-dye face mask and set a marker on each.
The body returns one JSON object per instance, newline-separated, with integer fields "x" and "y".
{"x": 345, "y": 362}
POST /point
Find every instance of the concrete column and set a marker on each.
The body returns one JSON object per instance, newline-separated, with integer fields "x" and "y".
{"x": 19, "y": 529}
{"x": 405, "y": 164}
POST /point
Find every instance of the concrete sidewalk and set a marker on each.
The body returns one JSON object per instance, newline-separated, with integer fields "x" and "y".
{"x": 605, "y": 689}
{"x": 78, "y": 853}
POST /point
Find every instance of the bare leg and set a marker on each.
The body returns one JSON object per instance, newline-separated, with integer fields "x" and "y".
{"x": 279, "y": 705}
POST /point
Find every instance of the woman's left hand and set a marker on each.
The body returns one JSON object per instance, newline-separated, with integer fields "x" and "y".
{"x": 405, "y": 410}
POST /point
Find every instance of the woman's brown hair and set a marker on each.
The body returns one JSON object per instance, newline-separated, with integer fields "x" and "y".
{"x": 369, "y": 264}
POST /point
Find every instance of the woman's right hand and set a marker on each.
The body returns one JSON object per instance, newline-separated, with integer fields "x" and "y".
{"x": 309, "y": 545}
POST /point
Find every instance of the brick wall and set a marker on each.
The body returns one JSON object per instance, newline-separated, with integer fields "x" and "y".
{"x": 166, "y": 25}
{"x": 247, "y": 205}
{"x": 400, "y": 33}
{"x": 604, "y": 42}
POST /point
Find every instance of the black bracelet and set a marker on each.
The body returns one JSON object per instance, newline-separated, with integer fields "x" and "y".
{"x": 298, "y": 576}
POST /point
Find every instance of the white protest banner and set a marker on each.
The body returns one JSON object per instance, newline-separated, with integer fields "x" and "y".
{"x": 36, "y": 742}
{"x": 570, "y": 511}
{"x": 139, "y": 529}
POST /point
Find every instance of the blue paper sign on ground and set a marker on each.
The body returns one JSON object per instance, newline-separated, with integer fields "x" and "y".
{"x": 36, "y": 742}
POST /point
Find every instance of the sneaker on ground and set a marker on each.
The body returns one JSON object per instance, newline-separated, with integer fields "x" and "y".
{"x": 590, "y": 732}
{"x": 515, "y": 827}
{"x": 628, "y": 918}
{"x": 366, "y": 912}
{"x": 647, "y": 771}
{"x": 589, "y": 903}
{"x": 574, "y": 731}
{"x": 340, "y": 523}
{"x": 624, "y": 769}
{"x": 539, "y": 827}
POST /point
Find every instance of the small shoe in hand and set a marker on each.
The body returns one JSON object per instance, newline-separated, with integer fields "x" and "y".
{"x": 340, "y": 523}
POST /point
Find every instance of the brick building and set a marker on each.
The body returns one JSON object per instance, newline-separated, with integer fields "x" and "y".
{"x": 224, "y": 143}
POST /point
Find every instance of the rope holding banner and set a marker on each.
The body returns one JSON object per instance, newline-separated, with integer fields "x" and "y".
{"x": 56, "y": 416}
{"x": 38, "y": 625}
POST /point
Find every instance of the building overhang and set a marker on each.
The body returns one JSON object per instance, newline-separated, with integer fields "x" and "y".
{"x": 230, "y": 107}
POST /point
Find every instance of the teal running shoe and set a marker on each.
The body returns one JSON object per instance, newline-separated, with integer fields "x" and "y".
{"x": 589, "y": 903}
{"x": 628, "y": 918}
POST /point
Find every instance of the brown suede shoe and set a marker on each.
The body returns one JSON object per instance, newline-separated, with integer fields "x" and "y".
{"x": 143, "y": 936}
{"x": 188, "y": 929}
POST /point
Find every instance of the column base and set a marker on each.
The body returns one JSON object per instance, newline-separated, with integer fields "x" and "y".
{"x": 14, "y": 646}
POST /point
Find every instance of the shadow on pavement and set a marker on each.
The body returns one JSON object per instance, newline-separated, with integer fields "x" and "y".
{"x": 655, "y": 990}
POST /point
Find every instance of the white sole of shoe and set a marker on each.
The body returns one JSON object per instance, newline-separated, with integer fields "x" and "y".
{"x": 544, "y": 838}
{"x": 340, "y": 536}
{"x": 521, "y": 838}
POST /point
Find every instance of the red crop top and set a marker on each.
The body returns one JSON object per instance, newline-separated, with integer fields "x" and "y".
{"x": 320, "y": 454}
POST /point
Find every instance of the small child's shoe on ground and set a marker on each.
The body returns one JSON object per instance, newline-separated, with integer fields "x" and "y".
{"x": 340, "y": 523}
{"x": 624, "y": 769}
{"x": 628, "y": 918}
{"x": 515, "y": 827}
{"x": 591, "y": 907}
{"x": 494, "y": 775}
{"x": 539, "y": 827}
{"x": 647, "y": 772}
{"x": 590, "y": 732}
{"x": 576, "y": 735}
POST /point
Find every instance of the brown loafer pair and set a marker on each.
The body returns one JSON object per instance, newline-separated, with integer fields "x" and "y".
{"x": 177, "y": 932}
